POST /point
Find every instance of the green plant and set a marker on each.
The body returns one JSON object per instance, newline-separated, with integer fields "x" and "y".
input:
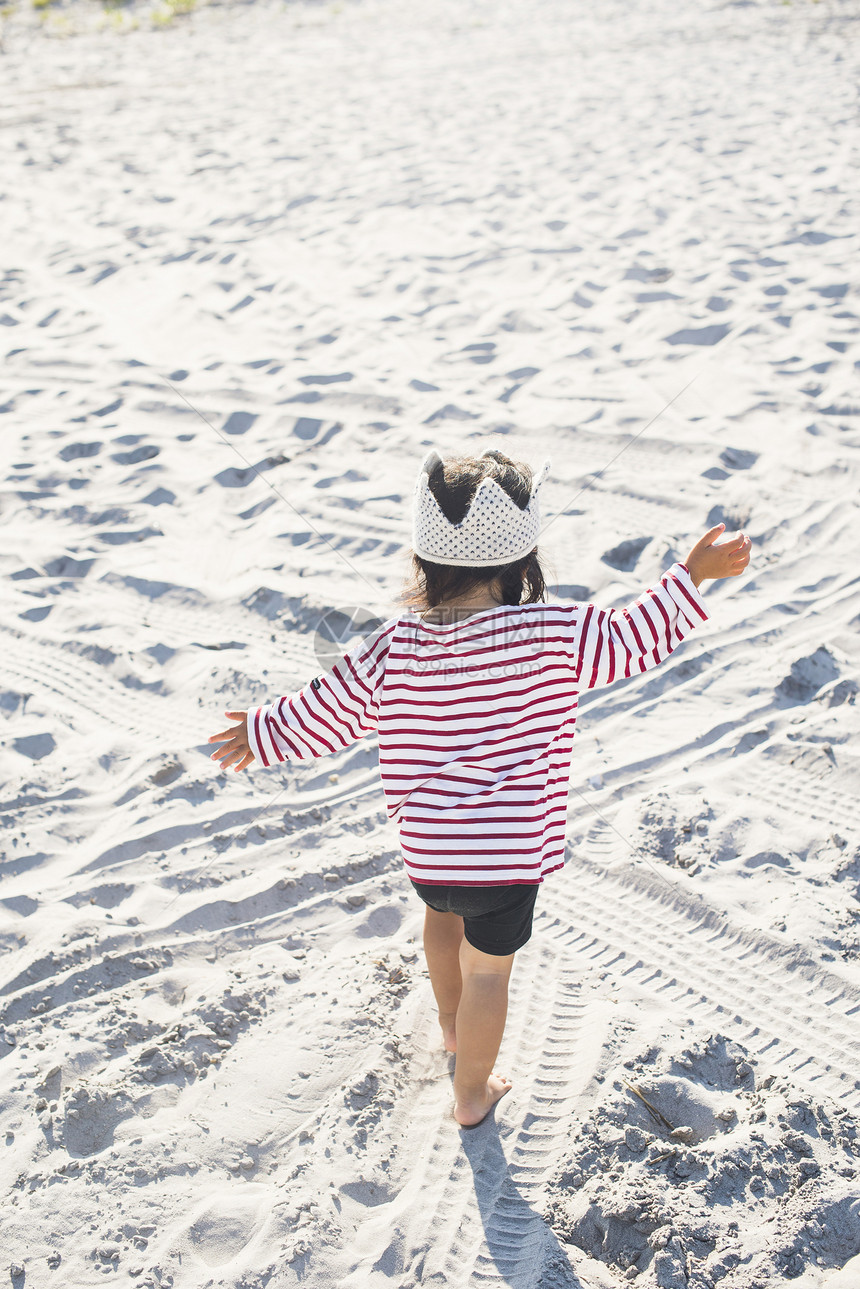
{"x": 57, "y": 24}
{"x": 164, "y": 15}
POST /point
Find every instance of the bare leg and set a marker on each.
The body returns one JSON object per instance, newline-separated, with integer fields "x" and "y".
{"x": 481, "y": 1018}
{"x": 442, "y": 935}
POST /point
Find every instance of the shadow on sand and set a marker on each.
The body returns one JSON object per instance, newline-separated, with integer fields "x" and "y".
{"x": 521, "y": 1248}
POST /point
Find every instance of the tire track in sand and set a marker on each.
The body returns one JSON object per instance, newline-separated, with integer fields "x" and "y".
{"x": 789, "y": 1011}
{"x": 464, "y": 1215}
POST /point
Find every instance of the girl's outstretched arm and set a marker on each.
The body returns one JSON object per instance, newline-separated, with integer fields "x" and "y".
{"x": 331, "y": 712}
{"x": 613, "y": 644}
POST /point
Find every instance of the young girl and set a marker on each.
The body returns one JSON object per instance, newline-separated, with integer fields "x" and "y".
{"x": 473, "y": 695}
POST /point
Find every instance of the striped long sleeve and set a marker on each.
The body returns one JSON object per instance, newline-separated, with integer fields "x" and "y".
{"x": 331, "y": 712}
{"x": 616, "y": 643}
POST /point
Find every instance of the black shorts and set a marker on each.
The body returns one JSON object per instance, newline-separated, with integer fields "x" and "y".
{"x": 496, "y": 919}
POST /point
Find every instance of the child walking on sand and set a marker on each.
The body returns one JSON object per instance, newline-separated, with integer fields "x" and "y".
{"x": 473, "y": 693}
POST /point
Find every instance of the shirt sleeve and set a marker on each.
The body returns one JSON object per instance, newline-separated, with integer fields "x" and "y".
{"x": 333, "y": 710}
{"x": 613, "y": 644}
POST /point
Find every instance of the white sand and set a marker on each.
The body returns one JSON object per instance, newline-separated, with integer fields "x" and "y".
{"x": 340, "y": 235}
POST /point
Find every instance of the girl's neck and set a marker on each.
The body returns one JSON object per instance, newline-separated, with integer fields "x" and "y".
{"x": 463, "y": 606}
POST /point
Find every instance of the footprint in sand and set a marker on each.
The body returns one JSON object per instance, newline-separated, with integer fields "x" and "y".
{"x": 735, "y": 517}
{"x": 239, "y": 422}
{"x": 66, "y": 566}
{"x": 36, "y": 615}
{"x": 90, "y": 1118}
{"x": 106, "y": 897}
{"x": 159, "y": 497}
{"x": 76, "y": 451}
{"x": 699, "y": 336}
{"x": 380, "y": 922}
{"x": 626, "y": 554}
{"x": 35, "y": 746}
{"x": 807, "y": 675}
{"x": 144, "y": 453}
{"x": 738, "y": 458}
{"x": 222, "y": 1229}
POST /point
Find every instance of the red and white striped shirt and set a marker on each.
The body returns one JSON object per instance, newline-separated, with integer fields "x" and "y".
{"x": 476, "y": 720}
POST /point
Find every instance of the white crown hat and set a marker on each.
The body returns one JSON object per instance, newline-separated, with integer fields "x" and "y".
{"x": 493, "y": 531}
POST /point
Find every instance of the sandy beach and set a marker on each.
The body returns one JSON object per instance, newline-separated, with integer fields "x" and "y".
{"x": 256, "y": 260}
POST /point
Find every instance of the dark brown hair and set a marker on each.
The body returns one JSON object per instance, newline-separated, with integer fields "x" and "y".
{"x": 454, "y": 483}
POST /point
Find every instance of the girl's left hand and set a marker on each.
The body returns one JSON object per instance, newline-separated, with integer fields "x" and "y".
{"x": 236, "y": 747}
{"x": 709, "y": 559}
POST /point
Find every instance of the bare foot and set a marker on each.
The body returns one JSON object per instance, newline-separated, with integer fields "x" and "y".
{"x": 469, "y": 1112}
{"x": 449, "y": 1030}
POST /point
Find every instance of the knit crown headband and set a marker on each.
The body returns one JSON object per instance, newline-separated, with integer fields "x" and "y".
{"x": 493, "y": 531}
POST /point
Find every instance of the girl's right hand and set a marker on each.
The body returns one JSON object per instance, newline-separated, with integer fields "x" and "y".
{"x": 707, "y": 560}
{"x": 236, "y": 746}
